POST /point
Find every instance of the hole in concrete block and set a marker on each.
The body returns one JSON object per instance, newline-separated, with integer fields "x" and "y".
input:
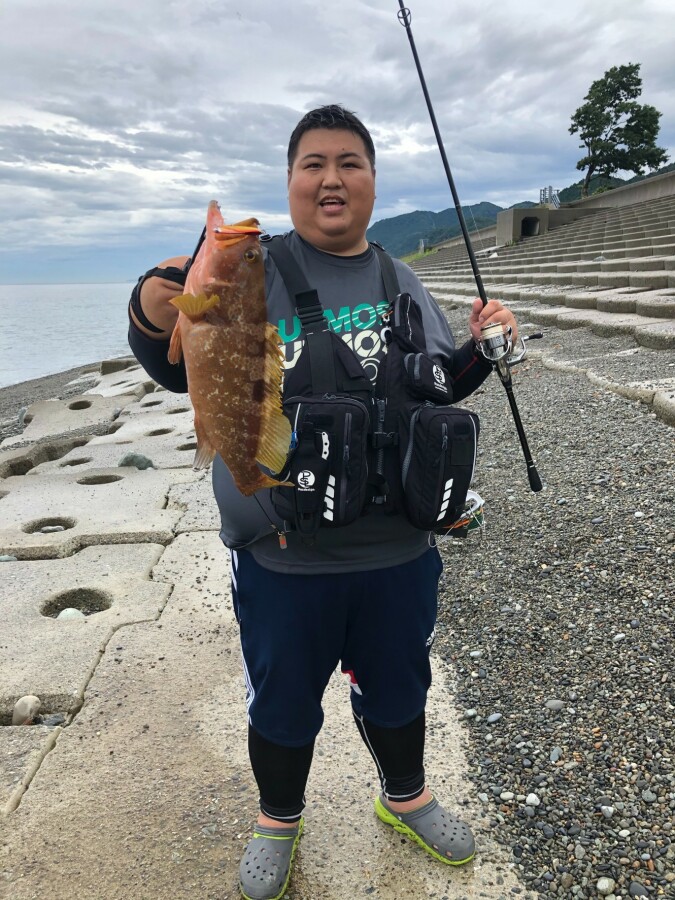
{"x": 192, "y": 445}
{"x": 37, "y": 525}
{"x": 3, "y": 494}
{"x": 87, "y": 600}
{"x": 78, "y": 461}
{"x": 151, "y": 403}
{"x": 80, "y": 404}
{"x": 178, "y": 409}
{"x": 115, "y": 427}
{"x": 27, "y": 419}
{"x": 99, "y": 479}
{"x": 158, "y": 431}
{"x": 21, "y": 466}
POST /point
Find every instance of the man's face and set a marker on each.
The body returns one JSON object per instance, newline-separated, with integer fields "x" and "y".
{"x": 331, "y": 190}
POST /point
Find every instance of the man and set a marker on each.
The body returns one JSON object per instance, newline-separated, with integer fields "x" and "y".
{"x": 363, "y": 595}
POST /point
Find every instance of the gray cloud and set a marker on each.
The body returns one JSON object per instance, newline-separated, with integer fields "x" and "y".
{"x": 121, "y": 121}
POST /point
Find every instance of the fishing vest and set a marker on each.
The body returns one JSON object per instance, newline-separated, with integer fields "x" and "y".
{"x": 398, "y": 444}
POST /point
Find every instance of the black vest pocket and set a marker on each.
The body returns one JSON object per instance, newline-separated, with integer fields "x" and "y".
{"x": 327, "y": 466}
{"x": 437, "y": 456}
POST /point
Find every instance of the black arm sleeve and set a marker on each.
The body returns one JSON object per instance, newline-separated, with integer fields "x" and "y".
{"x": 153, "y": 356}
{"x": 468, "y": 370}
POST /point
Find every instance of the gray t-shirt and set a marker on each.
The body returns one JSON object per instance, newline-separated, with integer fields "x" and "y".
{"x": 353, "y": 297}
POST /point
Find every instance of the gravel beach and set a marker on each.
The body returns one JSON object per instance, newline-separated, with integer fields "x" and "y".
{"x": 559, "y": 624}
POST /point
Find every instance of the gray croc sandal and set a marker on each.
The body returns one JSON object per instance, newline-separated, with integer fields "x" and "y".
{"x": 442, "y": 835}
{"x": 265, "y": 868}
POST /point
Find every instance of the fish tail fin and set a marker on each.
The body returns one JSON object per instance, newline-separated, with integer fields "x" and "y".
{"x": 275, "y": 431}
{"x": 205, "y": 452}
{"x": 176, "y": 346}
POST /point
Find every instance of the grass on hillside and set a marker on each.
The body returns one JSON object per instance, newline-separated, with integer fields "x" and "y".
{"x": 413, "y": 257}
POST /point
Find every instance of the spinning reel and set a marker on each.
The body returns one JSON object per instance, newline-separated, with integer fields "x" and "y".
{"x": 496, "y": 345}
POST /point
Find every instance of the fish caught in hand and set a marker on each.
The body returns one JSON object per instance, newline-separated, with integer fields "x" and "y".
{"x": 233, "y": 355}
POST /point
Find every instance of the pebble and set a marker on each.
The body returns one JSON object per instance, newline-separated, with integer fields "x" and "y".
{"x": 25, "y": 710}
{"x": 607, "y": 811}
{"x": 137, "y": 460}
{"x": 476, "y": 654}
{"x": 495, "y": 717}
{"x": 637, "y": 889}
{"x": 6, "y": 557}
{"x": 532, "y": 800}
{"x": 555, "y": 754}
{"x": 605, "y": 886}
{"x": 71, "y": 613}
{"x": 619, "y": 637}
{"x": 470, "y": 713}
{"x": 506, "y": 796}
{"x": 555, "y": 705}
{"x": 52, "y": 529}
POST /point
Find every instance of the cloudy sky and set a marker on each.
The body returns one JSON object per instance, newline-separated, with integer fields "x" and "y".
{"x": 121, "y": 119}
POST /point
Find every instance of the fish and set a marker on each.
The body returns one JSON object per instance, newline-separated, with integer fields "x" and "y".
{"x": 233, "y": 356}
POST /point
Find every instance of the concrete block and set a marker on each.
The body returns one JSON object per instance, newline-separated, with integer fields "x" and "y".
{"x": 657, "y": 336}
{"x": 117, "y": 364}
{"x": 53, "y": 658}
{"x": 653, "y": 280}
{"x": 133, "y": 380}
{"x": 25, "y": 459}
{"x": 655, "y": 306}
{"x": 651, "y": 264}
{"x": 22, "y": 749}
{"x": 96, "y": 506}
{"x": 664, "y": 404}
{"x": 198, "y": 507}
{"x": 614, "y": 303}
{"x": 49, "y": 418}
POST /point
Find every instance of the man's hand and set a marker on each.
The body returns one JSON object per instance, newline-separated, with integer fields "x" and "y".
{"x": 494, "y": 312}
{"x": 155, "y": 295}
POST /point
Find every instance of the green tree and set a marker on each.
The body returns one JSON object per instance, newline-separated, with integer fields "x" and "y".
{"x": 618, "y": 133}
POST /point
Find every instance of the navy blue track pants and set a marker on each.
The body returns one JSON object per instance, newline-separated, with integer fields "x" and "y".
{"x": 296, "y": 629}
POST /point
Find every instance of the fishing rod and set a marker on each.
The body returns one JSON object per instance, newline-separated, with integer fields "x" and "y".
{"x": 495, "y": 345}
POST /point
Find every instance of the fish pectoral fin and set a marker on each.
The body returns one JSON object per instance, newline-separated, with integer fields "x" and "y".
{"x": 205, "y": 452}
{"x": 195, "y": 307}
{"x": 176, "y": 345}
{"x": 275, "y": 431}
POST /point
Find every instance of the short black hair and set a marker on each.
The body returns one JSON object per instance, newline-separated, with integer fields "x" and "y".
{"x": 331, "y": 116}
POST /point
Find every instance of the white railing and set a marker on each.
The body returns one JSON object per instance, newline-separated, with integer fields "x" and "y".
{"x": 549, "y": 197}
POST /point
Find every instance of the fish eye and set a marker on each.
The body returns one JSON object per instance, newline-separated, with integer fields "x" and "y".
{"x": 250, "y": 256}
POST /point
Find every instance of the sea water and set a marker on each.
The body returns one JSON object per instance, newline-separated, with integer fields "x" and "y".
{"x": 48, "y": 328}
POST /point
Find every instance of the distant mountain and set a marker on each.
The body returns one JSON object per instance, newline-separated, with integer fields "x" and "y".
{"x": 401, "y": 235}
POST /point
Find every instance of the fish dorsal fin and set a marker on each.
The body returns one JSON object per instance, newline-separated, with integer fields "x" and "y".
{"x": 195, "y": 307}
{"x": 275, "y": 431}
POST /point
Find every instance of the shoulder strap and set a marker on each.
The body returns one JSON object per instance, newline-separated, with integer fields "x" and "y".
{"x": 310, "y": 313}
{"x": 389, "y": 276}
